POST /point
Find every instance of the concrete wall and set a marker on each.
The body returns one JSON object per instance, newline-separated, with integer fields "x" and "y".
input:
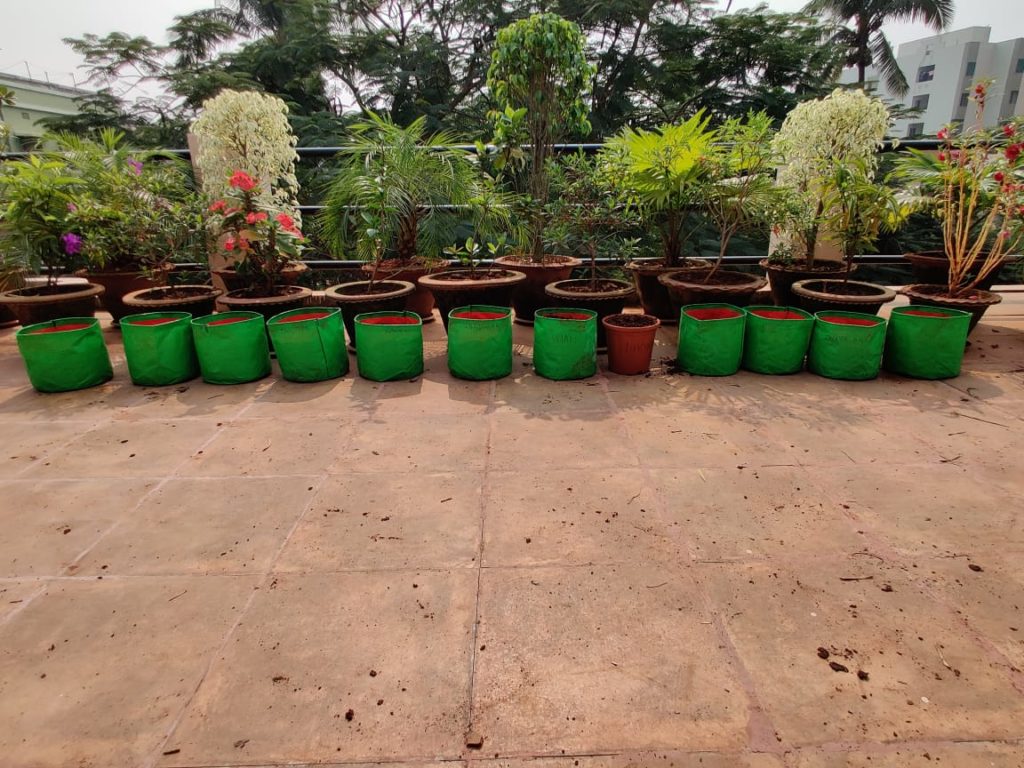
{"x": 34, "y": 100}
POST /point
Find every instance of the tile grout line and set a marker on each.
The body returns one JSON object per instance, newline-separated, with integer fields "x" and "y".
{"x": 762, "y": 735}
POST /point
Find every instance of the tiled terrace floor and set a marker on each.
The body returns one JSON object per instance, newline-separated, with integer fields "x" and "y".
{"x": 610, "y": 573}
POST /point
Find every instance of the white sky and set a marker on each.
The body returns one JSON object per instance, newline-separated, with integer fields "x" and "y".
{"x": 31, "y": 30}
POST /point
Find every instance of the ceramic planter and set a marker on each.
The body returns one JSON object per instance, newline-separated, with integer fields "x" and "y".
{"x": 653, "y": 294}
{"x": 630, "y": 342}
{"x": 932, "y": 268}
{"x": 782, "y": 276}
{"x": 608, "y": 297}
{"x": 353, "y": 300}
{"x": 421, "y": 300}
{"x": 529, "y": 295}
{"x": 819, "y": 295}
{"x": 454, "y": 288}
{"x": 116, "y": 285}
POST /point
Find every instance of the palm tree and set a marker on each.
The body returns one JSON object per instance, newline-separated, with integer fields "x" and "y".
{"x": 866, "y": 43}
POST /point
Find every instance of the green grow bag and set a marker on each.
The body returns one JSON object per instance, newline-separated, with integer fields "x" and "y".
{"x": 776, "y": 339}
{"x": 926, "y": 342}
{"x": 65, "y": 354}
{"x": 310, "y": 343}
{"x": 389, "y": 345}
{"x": 159, "y": 348}
{"x": 710, "y": 339}
{"x": 846, "y": 345}
{"x": 232, "y": 347}
{"x": 480, "y": 342}
{"x": 565, "y": 343}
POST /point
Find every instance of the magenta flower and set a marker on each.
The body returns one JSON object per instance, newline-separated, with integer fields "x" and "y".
{"x": 72, "y": 243}
{"x": 136, "y": 166}
{"x": 72, "y": 207}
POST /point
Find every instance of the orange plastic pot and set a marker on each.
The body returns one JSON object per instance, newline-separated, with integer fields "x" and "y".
{"x": 630, "y": 346}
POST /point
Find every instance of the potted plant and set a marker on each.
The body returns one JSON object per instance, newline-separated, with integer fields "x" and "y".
{"x": 630, "y": 339}
{"x": 260, "y": 243}
{"x": 854, "y": 211}
{"x": 12, "y": 275}
{"x": 35, "y": 201}
{"x": 662, "y": 172}
{"x": 737, "y": 194}
{"x": 123, "y": 211}
{"x": 540, "y": 78}
{"x": 975, "y": 185}
{"x": 426, "y": 177}
{"x": 246, "y": 131}
{"x": 588, "y": 218}
{"x": 816, "y": 136}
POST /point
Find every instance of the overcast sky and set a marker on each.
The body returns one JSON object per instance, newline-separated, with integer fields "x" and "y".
{"x": 31, "y": 30}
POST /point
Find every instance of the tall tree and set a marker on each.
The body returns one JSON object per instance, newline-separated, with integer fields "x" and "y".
{"x": 864, "y": 41}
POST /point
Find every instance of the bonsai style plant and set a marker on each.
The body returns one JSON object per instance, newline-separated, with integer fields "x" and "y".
{"x": 259, "y": 243}
{"x": 663, "y": 173}
{"x": 421, "y": 177}
{"x": 737, "y": 194}
{"x": 247, "y": 131}
{"x": 845, "y": 127}
{"x": 975, "y": 186}
{"x": 35, "y": 236}
{"x": 540, "y": 79}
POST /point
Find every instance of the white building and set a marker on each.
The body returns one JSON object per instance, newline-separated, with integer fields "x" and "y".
{"x": 942, "y": 70}
{"x": 34, "y": 100}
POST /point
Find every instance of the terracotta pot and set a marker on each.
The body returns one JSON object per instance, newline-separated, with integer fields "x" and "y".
{"x": 687, "y": 286}
{"x": 388, "y": 296}
{"x": 235, "y": 282}
{"x": 630, "y": 344}
{"x": 782, "y": 276}
{"x": 7, "y": 318}
{"x": 117, "y": 285}
{"x": 653, "y": 294}
{"x": 421, "y": 300}
{"x": 529, "y": 294}
{"x": 199, "y": 300}
{"x": 841, "y": 296}
{"x": 932, "y": 267}
{"x": 460, "y": 287}
{"x": 609, "y": 300}
{"x": 37, "y": 305}
{"x": 976, "y": 301}
{"x": 290, "y": 297}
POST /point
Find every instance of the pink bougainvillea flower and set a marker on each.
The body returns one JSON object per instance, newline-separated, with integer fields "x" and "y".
{"x": 229, "y": 244}
{"x": 72, "y": 207}
{"x": 243, "y": 181}
{"x": 252, "y": 217}
{"x": 218, "y": 206}
{"x": 136, "y": 166}
{"x": 72, "y": 243}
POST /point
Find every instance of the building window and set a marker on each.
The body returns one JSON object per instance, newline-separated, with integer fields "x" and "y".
{"x": 915, "y": 130}
{"x": 920, "y": 103}
{"x": 1013, "y": 96}
{"x": 926, "y": 74}
{"x": 969, "y": 72}
{"x": 965, "y": 99}
{"x": 1020, "y": 66}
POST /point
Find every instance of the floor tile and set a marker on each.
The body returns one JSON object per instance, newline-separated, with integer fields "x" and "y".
{"x": 428, "y": 443}
{"x": 566, "y": 440}
{"x": 980, "y": 755}
{"x": 27, "y": 443}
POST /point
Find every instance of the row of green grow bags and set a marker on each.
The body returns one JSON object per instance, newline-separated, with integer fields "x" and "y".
{"x": 921, "y": 342}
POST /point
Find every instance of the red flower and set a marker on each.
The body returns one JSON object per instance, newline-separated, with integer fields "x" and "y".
{"x": 243, "y": 181}
{"x": 285, "y": 221}
{"x": 252, "y": 218}
{"x": 942, "y": 157}
{"x": 979, "y": 89}
{"x": 998, "y": 176}
{"x": 229, "y": 244}
{"x": 943, "y": 134}
{"x": 1008, "y": 130}
{"x": 1013, "y": 152}
{"x": 218, "y": 206}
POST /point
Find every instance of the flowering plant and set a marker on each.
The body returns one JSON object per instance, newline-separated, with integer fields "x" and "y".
{"x": 975, "y": 185}
{"x": 260, "y": 239}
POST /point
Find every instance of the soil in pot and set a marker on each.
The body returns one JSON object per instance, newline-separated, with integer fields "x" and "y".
{"x": 975, "y": 302}
{"x": 932, "y": 267}
{"x": 39, "y": 304}
{"x": 630, "y": 342}
{"x": 782, "y": 276}
{"x": 421, "y": 300}
{"x": 841, "y": 295}
{"x": 529, "y": 295}
{"x": 692, "y": 286}
{"x": 354, "y": 299}
{"x": 461, "y": 287}
{"x": 606, "y": 297}
{"x": 198, "y": 300}
{"x": 653, "y": 294}
{"x": 250, "y": 300}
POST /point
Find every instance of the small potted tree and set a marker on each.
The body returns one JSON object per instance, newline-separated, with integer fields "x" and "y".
{"x": 260, "y": 243}
{"x": 35, "y": 205}
{"x": 737, "y": 194}
{"x": 975, "y": 185}
{"x": 540, "y": 78}
{"x": 663, "y": 172}
{"x": 816, "y": 136}
{"x": 425, "y": 176}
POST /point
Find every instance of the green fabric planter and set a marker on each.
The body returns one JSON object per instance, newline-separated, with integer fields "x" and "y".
{"x": 710, "y": 339}
{"x": 926, "y": 342}
{"x": 776, "y": 338}
{"x": 389, "y": 345}
{"x": 846, "y": 345}
{"x": 65, "y": 354}
{"x": 480, "y": 342}
{"x": 565, "y": 343}
{"x": 310, "y": 343}
{"x": 232, "y": 347}
{"x": 159, "y": 348}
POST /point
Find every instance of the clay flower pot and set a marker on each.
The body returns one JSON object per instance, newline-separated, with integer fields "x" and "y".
{"x": 388, "y": 296}
{"x": 630, "y": 342}
{"x": 529, "y": 295}
{"x": 975, "y": 302}
{"x": 460, "y": 287}
{"x": 841, "y": 296}
{"x": 198, "y": 300}
{"x": 607, "y": 298}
